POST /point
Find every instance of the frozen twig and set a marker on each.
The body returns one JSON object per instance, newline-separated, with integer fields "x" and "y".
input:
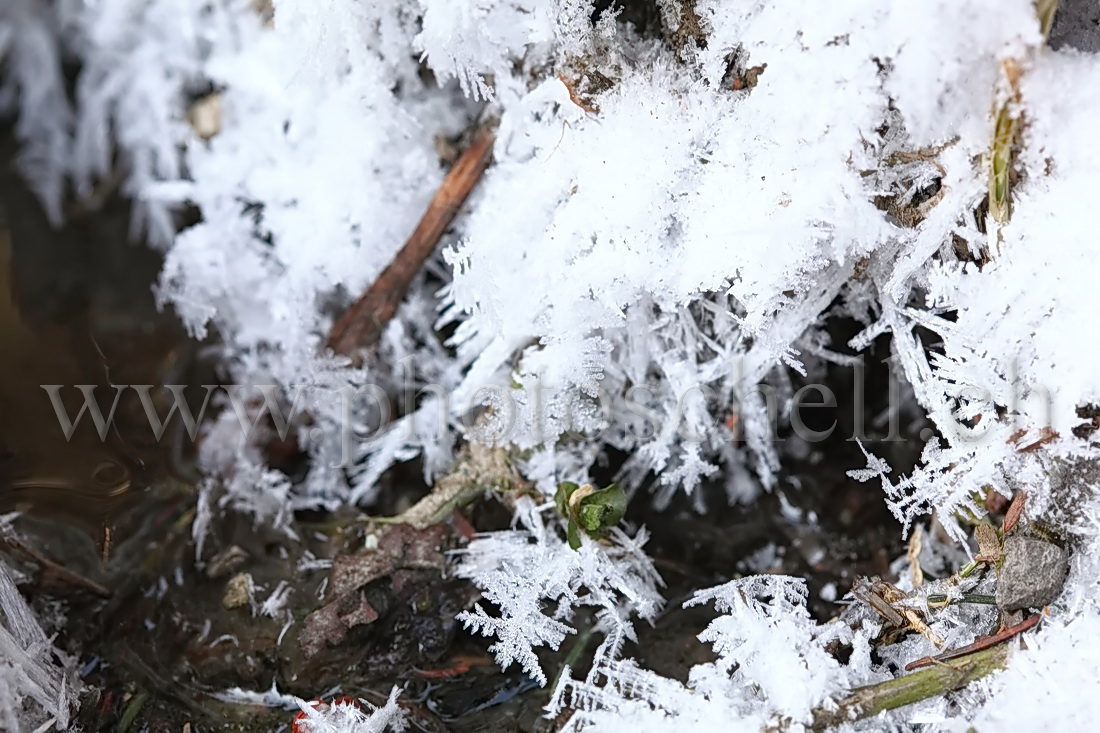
{"x": 362, "y": 324}
{"x": 480, "y": 468}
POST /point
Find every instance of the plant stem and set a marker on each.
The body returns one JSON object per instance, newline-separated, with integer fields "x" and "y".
{"x": 938, "y": 679}
{"x": 574, "y": 654}
{"x": 980, "y": 598}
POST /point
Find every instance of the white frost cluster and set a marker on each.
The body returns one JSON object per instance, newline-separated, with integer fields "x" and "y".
{"x": 35, "y": 688}
{"x": 1046, "y": 681}
{"x": 348, "y": 717}
{"x": 521, "y": 570}
{"x": 771, "y": 662}
{"x": 339, "y": 715}
{"x": 656, "y": 237}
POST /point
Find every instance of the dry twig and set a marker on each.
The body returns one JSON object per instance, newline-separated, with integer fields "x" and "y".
{"x": 51, "y": 567}
{"x": 983, "y": 643}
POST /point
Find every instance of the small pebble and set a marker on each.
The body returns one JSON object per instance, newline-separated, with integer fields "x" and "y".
{"x": 1032, "y": 574}
{"x": 226, "y": 562}
{"x": 238, "y": 591}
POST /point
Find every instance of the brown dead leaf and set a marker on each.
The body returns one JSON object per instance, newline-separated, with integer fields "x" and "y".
{"x": 401, "y": 547}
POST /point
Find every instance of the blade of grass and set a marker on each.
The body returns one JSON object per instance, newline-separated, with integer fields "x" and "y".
{"x": 1006, "y": 124}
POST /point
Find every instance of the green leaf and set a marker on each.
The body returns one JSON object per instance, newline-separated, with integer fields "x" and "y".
{"x": 561, "y": 497}
{"x": 590, "y": 512}
{"x": 574, "y": 535}
{"x": 591, "y": 517}
{"x": 612, "y": 502}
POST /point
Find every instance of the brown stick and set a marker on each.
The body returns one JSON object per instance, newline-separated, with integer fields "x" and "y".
{"x": 362, "y": 324}
{"x": 51, "y": 567}
{"x": 983, "y": 643}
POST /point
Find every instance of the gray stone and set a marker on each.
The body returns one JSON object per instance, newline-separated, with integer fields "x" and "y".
{"x": 1032, "y": 574}
{"x": 1076, "y": 25}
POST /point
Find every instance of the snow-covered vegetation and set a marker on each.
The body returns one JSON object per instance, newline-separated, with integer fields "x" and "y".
{"x": 673, "y": 217}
